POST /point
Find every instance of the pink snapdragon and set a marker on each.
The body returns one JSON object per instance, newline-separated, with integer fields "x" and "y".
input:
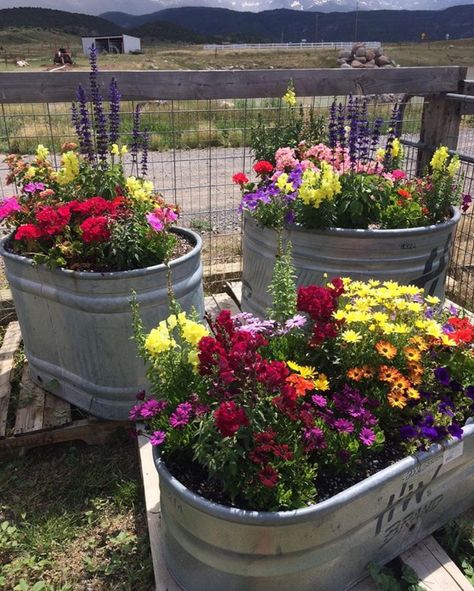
{"x": 8, "y": 206}
{"x": 161, "y": 217}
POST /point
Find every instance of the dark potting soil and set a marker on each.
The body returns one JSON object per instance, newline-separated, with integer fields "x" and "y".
{"x": 195, "y": 478}
{"x": 181, "y": 247}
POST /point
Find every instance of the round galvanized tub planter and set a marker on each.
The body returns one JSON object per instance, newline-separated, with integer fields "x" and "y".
{"x": 419, "y": 256}
{"x": 77, "y": 326}
{"x": 325, "y": 547}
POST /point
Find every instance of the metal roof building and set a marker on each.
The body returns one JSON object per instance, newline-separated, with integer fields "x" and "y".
{"x": 111, "y": 44}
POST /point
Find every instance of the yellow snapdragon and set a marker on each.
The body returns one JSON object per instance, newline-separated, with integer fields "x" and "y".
{"x": 454, "y": 165}
{"x": 283, "y": 184}
{"x": 318, "y": 186}
{"x": 290, "y": 97}
{"x": 439, "y": 158}
{"x": 159, "y": 340}
{"x": 139, "y": 189}
{"x": 193, "y": 331}
{"x": 116, "y": 151}
{"x": 70, "y": 168}
{"x": 41, "y": 153}
{"x": 396, "y": 148}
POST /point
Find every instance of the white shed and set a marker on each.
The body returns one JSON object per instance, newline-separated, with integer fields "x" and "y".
{"x": 111, "y": 44}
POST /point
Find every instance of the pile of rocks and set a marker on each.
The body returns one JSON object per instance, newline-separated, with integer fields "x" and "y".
{"x": 361, "y": 56}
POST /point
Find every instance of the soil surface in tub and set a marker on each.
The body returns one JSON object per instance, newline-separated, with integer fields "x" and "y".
{"x": 195, "y": 478}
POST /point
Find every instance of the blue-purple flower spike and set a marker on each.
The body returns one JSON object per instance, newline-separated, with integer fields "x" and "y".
{"x": 100, "y": 121}
{"x": 85, "y": 127}
{"x": 144, "y": 158}
{"x": 114, "y": 115}
{"x": 135, "y": 137}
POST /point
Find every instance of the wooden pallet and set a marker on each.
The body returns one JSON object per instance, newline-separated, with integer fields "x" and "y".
{"x": 39, "y": 417}
{"x": 436, "y": 571}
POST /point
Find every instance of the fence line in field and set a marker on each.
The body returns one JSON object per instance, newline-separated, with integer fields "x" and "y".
{"x": 290, "y": 46}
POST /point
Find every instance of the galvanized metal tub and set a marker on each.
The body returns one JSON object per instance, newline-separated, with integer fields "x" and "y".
{"x": 325, "y": 547}
{"x": 419, "y": 256}
{"x": 77, "y": 326}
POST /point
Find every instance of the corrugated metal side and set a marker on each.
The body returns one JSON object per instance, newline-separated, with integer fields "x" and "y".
{"x": 418, "y": 255}
{"x": 77, "y": 327}
{"x": 325, "y": 547}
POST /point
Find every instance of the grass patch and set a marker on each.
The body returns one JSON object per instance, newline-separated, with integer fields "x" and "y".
{"x": 72, "y": 518}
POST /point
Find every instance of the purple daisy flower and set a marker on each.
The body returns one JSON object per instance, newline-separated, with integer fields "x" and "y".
{"x": 319, "y": 400}
{"x": 158, "y": 438}
{"x": 367, "y": 436}
{"x": 153, "y": 407}
{"x": 343, "y": 426}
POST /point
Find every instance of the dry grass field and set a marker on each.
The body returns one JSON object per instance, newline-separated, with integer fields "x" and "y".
{"x": 37, "y": 47}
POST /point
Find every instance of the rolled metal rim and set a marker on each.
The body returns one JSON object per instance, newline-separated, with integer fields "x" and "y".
{"x": 371, "y": 233}
{"x": 193, "y": 237}
{"x": 276, "y": 518}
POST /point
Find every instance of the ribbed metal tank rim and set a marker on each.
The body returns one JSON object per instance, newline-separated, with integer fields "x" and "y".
{"x": 276, "y": 518}
{"x": 194, "y": 238}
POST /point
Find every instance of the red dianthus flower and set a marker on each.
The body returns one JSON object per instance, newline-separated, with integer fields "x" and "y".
{"x": 268, "y": 476}
{"x": 95, "y": 229}
{"x": 28, "y": 232}
{"x": 52, "y": 220}
{"x": 263, "y": 167}
{"x": 240, "y": 178}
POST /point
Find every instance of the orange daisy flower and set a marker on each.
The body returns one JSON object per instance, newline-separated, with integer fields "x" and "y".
{"x": 386, "y": 349}
{"x": 388, "y": 374}
{"x": 397, "y": 398}
{"x": 368, "y": 371}
{"x": 419, "y": 342}
{"x": 355, "y": 373}
{"x": 413, "y": 393}
{"x": 300, "y": 384}
{"x": 412, "y": 354}
{"x": 400, "y": 382}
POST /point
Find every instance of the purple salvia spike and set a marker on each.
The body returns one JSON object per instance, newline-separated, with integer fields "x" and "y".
{"x": 114, "y": 115}
{"x": 100, "y": 122}
{"x": 77, "y": 125}
{"x": 144, "y": 160}
{"x": 135, "y": 137}
{"x": 341, "y": 125}
{"x": 85, "y": 127}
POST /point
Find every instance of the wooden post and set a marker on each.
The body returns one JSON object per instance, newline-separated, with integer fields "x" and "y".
{"x": 440, "y": 123}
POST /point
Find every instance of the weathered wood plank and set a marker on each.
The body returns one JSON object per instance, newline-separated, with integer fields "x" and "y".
{"x": 467, "y": 87}
{"x": 57, "y": 412}
{"x": 163, "y": 580}
{"x": 11, "y": 342}
{"x": 225, "y": 302}
{"x": 30, "y": 411}
{"x": 91, "y": 431}
{"x": 437, "y": 572}
{"x": 234, "y": 289}
{"x": 53, "y": 87}
{"x": 441, "y": 120}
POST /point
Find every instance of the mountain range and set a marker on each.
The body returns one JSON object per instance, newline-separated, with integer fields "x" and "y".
{"x": 204, "y": 24}
{"x": 143, "y": 7}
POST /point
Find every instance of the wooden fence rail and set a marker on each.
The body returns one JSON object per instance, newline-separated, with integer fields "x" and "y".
{"x": 57, "y": 87}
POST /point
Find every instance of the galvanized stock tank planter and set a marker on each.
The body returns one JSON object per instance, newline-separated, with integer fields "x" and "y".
{"x": 77, "y": 326}
{"x": 416, "y": 255}
{"x": 325, "y": 547}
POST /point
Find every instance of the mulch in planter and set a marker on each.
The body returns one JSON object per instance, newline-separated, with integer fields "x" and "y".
{"x": 195, "y": 478}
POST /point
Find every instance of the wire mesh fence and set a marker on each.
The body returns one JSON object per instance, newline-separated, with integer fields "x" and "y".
{"x": 197, "y": 145}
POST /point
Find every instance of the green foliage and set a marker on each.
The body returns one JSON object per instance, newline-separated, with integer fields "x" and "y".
{"x": 457, "y": 538}
{"x": 298, "y": 127}
{"x": 283, "y": 285}
{"x": 395, "y": 579}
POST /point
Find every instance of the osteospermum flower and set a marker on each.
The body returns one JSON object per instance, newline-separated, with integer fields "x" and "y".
{"x": 412, "y": 354}
{"x": 397, "y": 398}
{"x": 386, "y": 349}
{"x": 304, "y": 370}
{"x": 351, "y": 336}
